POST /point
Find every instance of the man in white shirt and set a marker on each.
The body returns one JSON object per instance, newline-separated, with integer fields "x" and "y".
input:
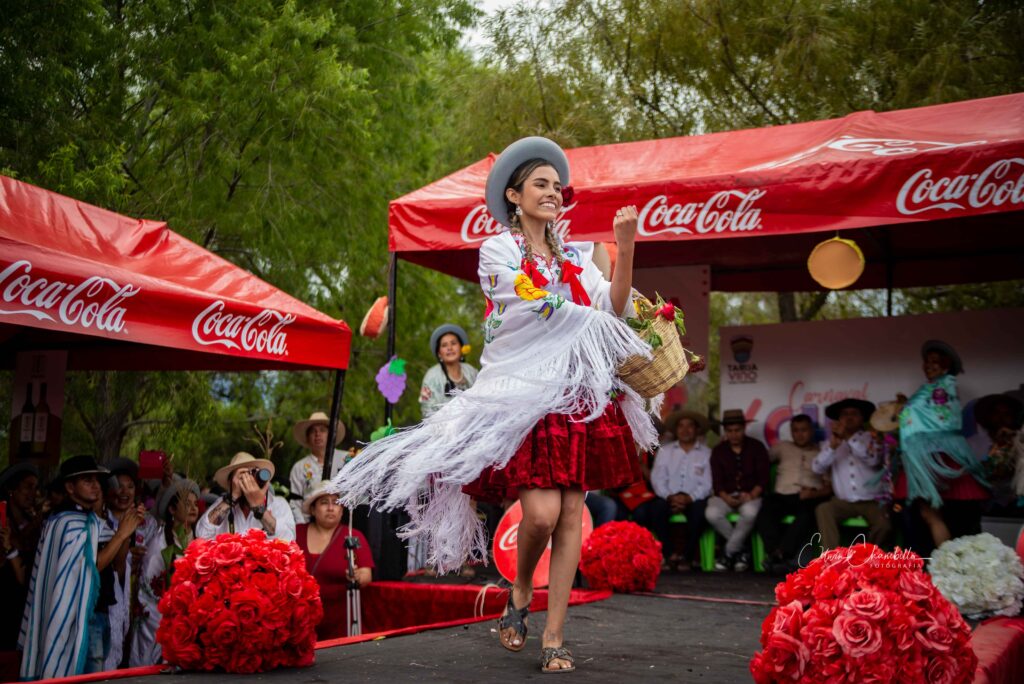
{"x": 682, "y": 477}
{"x": 249, "y": 504}
{"x": 855, "y": 463}
{"x": 307, "y": 471}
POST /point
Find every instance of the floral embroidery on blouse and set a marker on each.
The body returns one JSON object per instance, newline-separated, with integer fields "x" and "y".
{"x": 527, "y": 290}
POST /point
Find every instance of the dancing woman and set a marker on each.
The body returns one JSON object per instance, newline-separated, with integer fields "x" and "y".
{"x": 547, "y": 418}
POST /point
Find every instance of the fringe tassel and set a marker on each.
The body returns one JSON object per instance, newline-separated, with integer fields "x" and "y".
{"x": 422, "y": 468}
{"x": 925, "y": 466}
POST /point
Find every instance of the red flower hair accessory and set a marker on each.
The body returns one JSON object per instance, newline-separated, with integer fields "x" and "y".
{"x": 567, "y": 194}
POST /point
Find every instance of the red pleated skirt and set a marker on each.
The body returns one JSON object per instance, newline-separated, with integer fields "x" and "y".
{"x": 562, "y": 452}
{"x": 961, "y": 488}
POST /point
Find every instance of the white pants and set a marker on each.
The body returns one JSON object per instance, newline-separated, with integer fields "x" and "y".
{"x": 735, "y": 535}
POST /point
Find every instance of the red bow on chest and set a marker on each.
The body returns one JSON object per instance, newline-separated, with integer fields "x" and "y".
{"x": 570, "y": 276}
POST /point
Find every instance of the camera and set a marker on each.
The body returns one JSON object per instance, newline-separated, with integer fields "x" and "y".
{"x": 262, "y": 475}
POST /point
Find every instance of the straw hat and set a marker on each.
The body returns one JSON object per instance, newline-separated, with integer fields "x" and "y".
{"x": 703, "y": 424}
{"x": 886, "y": 417}
{"x": 522, "y": 150}
{"x": 318, "y": 490}
{"x": 316, "y": 418}
{"x": 239, "y": 461}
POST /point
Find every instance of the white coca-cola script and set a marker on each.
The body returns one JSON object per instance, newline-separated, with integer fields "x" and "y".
{"x": 480, "y": 225}
{"x": 263, "y": 332}
{"x": 727, "y": 210}
{"x": 1000, "y": 184}
{"x": 96, "y": 302}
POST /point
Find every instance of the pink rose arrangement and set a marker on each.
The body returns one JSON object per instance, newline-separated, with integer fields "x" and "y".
{"x": 240, "y": 604}
{"x": 859, "y": 614}
{"x": 622, "y": 557}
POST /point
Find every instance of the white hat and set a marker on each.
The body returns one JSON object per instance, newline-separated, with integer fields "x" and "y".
{"x": 177, "y": 488}
{"x": 318, "y": 490}
{"x": 239, "y": 461}
{"x": 316, "y": 418}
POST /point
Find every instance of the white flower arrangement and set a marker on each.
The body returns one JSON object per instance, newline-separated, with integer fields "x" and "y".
{"x": 980, "y": 575}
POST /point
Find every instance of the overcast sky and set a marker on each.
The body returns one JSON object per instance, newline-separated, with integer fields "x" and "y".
{"x": 474, "y": 37}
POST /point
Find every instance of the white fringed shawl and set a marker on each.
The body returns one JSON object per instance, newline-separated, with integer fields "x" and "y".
{"x": 543, "y": 354}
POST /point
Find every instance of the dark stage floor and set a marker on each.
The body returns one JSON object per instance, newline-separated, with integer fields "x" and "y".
{"x": 624, "y": 639}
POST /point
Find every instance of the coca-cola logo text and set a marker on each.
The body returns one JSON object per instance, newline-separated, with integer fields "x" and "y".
{"x": 263, "y": 332}
{"x": 995, "y": 186}
{"x": 480, "y": 225}
{"x": 727, "y": 210}
{"x": 96, "y": 302}
{"x": 509, "y": 540}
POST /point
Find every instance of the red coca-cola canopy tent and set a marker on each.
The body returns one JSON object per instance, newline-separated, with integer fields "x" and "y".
{"x": 933, "y": 195}
{"x": 129, "y": 294}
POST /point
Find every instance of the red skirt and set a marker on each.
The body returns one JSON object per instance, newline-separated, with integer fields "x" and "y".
{"x": 561, "y": 452}
{"x": 961, "y": 488}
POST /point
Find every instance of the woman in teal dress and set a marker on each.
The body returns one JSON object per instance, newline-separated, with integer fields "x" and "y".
{"x": 938, "y": 463}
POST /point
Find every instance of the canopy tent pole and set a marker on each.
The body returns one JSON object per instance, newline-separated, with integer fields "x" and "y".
{"x": 392, "y": 292}
{"x": 332, "y": 425}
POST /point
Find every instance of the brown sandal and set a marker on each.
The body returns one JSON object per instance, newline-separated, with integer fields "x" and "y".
{"x": 556, "y": 653}
{"x": 515, "y": 619}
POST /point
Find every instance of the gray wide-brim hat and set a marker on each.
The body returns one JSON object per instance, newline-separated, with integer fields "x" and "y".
{"x": 956, "y": 366}
{"x": 177, "y": 487}
{"x": 522, "y": 150}
{"x": 442, "y": 330}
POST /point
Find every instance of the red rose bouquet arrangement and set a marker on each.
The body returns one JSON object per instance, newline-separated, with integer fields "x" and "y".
{"x": 621, "y": 556}
{"x": 240, "y": 604}
{"x": 859, "y": 614}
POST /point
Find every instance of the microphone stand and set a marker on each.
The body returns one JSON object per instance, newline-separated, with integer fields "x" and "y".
{"x": 353, "y": 600}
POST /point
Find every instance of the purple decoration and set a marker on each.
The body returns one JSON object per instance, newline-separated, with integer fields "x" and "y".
{"x": 389, "y": 384}
{"x": 939, "y": 396}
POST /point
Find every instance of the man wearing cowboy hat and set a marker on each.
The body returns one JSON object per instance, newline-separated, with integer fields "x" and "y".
{"x": 61, "y": 631}
{"x": 681, "y": 477}
{"x": 798, "y": 492}
{"x": 307, "y": 471}
{"x": 739, "y": 478}
{"x": 249, "y": 502}
{"x": 854, "y": 462}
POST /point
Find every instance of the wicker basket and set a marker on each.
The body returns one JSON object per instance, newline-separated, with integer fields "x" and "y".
{"x": 651, "y": 377}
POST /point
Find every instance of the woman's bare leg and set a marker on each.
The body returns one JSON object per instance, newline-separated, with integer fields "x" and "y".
{"x": 541, "y": 509}
{"x": 933, "y": 518}
{"x": 565, "y": 558}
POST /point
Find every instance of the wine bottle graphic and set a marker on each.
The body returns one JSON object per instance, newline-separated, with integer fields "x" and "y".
{"x": 42, "y": 418}
{"x": 27, "y": 425}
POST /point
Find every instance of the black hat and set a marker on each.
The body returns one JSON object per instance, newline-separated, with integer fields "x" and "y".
{"x": 866, "y": 408}
{"x": 77, "y": 466}
{"x": 984, "y": 407}
{"x": 16, "y": 473}
{"x": 734, "y": 417}
{"x": 956, "y": 366}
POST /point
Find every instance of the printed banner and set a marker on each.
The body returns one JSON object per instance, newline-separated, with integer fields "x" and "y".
{"x": 773, "y": 372}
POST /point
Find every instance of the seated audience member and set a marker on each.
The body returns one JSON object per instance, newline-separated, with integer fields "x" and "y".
{"x": 249, "y": 503}
{"x": 682, "y": 478}
{"x": 322, "y": 541}
{"x": 798, "y": 492}
{"x": 177, "y": 510}
{"x": 853, "y": 461}
{"x": 62, "y": 632}
{"x": 602, "y": 508}
{"x": 739, "y": 477}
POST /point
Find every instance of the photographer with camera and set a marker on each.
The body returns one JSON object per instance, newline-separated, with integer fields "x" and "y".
{"x": 249, "y": 502}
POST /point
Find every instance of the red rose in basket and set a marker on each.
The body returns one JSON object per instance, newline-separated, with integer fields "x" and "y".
{"x": 621, "y": 556}
{"x": 240, "y": 604}
{"x": 859, "y": 614}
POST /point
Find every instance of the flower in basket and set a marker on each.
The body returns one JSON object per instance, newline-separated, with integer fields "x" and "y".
{"x": 621, "y": 556}
{"x": 980, "y": 575}
{"x": 240, "y": 604}
{"x": 860, "y": 614}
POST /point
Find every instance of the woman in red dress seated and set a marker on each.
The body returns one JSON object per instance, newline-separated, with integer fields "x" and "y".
{"x": 323, "y": 543}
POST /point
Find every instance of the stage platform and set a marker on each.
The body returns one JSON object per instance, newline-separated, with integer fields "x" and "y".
{"x": 625, "y": 638}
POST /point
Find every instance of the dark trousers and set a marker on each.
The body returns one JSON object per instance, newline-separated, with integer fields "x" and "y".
{"x": 654, "y": 516}
{"x": 786, "y": 540}
{"x": 696, "y": 523}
